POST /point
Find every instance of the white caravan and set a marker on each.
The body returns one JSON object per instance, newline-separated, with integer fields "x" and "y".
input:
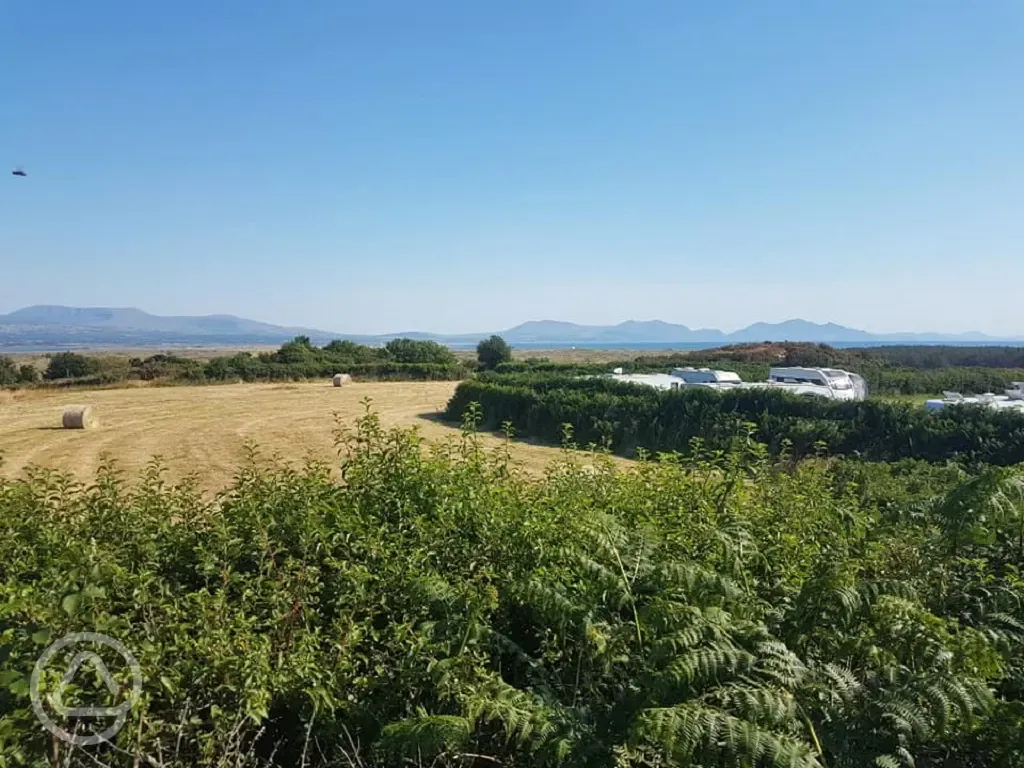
{"x": 1008, "y": 402}
{"x": 820, "y": 382}
{"x": 830, "y": 383}
{"x": 705, "y": 377}
{"x": 1016, "y": 392}
{"x": 681, "y": 378}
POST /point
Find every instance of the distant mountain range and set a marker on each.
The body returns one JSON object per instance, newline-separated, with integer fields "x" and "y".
{"x": 50, "y": 327}
{"x": 655, "y": 331}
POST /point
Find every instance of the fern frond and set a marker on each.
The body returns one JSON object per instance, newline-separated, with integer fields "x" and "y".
{"x": 690, "y": 731}
{"x": 1007, "y": 623}
{"x": 871, "y": 590}
{"x": 840, "y": 681}
{"x": 906, "y": 716}
{"x": 550, "y": 603}
{"x": 758, "y": 704}
{"x": 427, "y": 735}
{"x": 709, "y": 664}
{"x": 780, "y": 664}
{"x": 604, "y": 580}
{"x": 522, "y": 715}
{"x": 699, "y": 583}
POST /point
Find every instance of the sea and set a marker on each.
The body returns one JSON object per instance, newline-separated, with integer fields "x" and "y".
{"x": 716, "y": 344}
{"x": 226, "y": 343}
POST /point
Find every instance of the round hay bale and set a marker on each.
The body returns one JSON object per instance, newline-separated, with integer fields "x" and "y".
{"x": 341, "y": 378}
{"x": 79, "y": 417}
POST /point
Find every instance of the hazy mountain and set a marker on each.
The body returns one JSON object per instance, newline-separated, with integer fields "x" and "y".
{"x": 62, "y": 327}
{"x": 649, "y": 331}
{"x": 131, "y": 319}
{"x": 656, "y": 331}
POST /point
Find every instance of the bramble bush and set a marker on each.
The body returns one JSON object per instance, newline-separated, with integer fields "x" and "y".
{"x": 442, "y": 608}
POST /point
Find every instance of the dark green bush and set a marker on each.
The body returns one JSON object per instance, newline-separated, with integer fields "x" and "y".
{"x": 69, "y": 365}
{"x": 27, "y": 374}
{"x": 419, "y": 352}
{"x": 492, "y": 352}
{"x": 8, "y": 372}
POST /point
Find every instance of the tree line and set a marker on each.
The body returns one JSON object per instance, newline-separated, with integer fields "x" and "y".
{"x": 630, "y": 417}
{"x": 297, "y": 359}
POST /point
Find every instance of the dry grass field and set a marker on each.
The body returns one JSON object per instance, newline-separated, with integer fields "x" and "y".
{"x": 203, "y": 430}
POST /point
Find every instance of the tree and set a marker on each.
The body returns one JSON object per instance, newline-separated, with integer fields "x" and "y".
{"x": 27, "y": 374}
{"x": 348, "y": 352}
{"x": 298, "y": 350}
{"x": 68, "y": 365}
{"x": 492, "y": 352}
{"x": 413, "y": 351}
{"x": 8, "y": 372}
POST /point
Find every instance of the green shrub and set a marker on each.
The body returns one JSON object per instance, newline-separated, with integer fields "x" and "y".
{"x": 8, "y": 372}
{"x": 27, "y": 374}
{"x": 419, "y": 352}
{"x": 69, "y": 365}
{"x": 492, "y": 352}
{"x": 444, "y": 609}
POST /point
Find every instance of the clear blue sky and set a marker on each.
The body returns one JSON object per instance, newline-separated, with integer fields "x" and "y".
{"x": 464, "y": 166}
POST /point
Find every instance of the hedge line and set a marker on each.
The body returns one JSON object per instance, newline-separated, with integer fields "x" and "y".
{"x": 882, "y": 380}
{"x": 254, "y": 369}
{"x": 628, "y": 417}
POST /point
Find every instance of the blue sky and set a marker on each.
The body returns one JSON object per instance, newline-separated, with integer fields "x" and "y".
{"x": 465, "y": 166}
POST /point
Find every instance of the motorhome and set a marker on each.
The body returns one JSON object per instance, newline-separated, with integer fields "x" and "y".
{"x": 830, "y": 383}
{"x": 705, "y": 377}
{"x": 1016, "y": 392}
{"x": 682, "y": 378}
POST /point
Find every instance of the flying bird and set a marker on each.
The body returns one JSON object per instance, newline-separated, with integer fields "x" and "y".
{"x": 18, "y": 172}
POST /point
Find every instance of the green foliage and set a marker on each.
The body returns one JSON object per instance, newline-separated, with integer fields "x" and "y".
{"x": 27, "y": 374}
{"x": 169, "y": 367}
{"x": 402, "y": 359}
{"x": 69, "y": 365}
{"x": 299, "y": 359}
{"x": 629, "y": 417}
{"x": 442, "y": 608}
{"x": 492, "y": 352}
{"x": 413, "y": 351}
{"x": 8, "y": 371}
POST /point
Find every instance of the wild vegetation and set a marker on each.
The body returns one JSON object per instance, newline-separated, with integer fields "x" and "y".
{"x": 442, "y": 609}
{"x": 627, "y": 418}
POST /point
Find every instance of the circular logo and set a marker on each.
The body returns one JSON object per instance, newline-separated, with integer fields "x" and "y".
{"x": 118, "y": 713}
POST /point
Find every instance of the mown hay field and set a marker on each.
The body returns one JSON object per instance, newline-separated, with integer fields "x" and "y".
{"x": 204, "y": 429}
